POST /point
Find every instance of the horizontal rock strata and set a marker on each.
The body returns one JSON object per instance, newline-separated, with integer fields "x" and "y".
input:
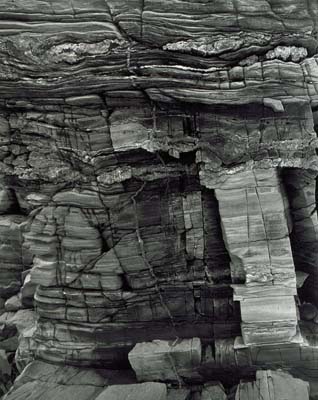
{"x": 158, "y": 221}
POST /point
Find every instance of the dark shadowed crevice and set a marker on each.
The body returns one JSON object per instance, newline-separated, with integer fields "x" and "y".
{"x": 301, "y": 190}
{"x": 216, "y": 256}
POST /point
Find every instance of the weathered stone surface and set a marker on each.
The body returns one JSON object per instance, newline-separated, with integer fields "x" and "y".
{"x": 179, "y": 394}
{"x": 41, "y": 380}
{"x": 13, "y": 303}
{"x": 275, "y": 385}
{"x": 301, "y": 187}
{"x": 256, "y": 234}
{"x": 142, "y": 391}
{"x": 213, "y": 392}
{"x": 165, "y": 361}
{"x": 11, "y": 254}
{"x": 158, "y": 164}
{"x": 27, "y": 291}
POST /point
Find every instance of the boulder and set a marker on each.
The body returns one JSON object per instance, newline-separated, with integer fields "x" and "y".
{"x": 14, "y": 303}
{"x": 165, "y": 360}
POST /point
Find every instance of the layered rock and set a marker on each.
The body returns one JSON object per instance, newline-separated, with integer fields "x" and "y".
{"x": 155, "y": 158}
{"x": 273, "y": 385}
{"x": 257, "y": 237}
{"x": 166, "y": 361}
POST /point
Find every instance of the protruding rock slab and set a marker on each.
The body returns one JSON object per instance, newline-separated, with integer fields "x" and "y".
{"x": 141, "y": 391}
{"x": 41, "y": 391}
{"x": 44, "y": 381}
{"x": 165, "y": 360}
{"x": 256, "y": 233}
{"x": 276, "y": 322}
{"x": 273, "y": 385}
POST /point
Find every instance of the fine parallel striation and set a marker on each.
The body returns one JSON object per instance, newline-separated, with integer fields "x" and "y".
{"x": 158, "y": 220}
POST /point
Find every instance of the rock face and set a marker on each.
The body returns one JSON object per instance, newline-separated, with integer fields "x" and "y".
{"x": 158, "y": 218}
{"x": 273, "y": 385}
{"x": 165, "y": 361}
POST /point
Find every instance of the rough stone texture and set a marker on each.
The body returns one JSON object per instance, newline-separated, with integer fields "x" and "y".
{"x": 165, "y": 361}
{"x": 46, "y": 381}
{"x": 274, "y": 385}
{"x": 142, "y": 391}
{"x": 158, "y": 164}
{"x": 213, "y": 392}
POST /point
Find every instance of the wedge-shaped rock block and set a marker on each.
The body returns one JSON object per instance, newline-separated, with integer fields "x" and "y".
{"x": 165, "y": 360}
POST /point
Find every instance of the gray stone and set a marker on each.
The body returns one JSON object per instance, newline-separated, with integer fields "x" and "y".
{"x": 165, "y": 360}
{"x": 13, "y": 303}
{"x": 273, "y": 385}
{"x": 213, "y": 392}
{"x": 142, "y": 391}
{"x": 178, "y": 394}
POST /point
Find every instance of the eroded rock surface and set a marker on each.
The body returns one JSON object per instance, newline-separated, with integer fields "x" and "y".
{"x": 158, "y": 165}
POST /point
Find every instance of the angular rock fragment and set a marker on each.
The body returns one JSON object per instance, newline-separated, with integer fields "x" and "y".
{"x": 165, "y": 361}
{"x": 275, "y": 385}
{"x": 27, "y": 291}
{"x": 13, "y": 303}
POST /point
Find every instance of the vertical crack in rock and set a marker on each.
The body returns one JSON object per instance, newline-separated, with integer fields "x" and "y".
{"x": 216, "y": 256}
{"x": 144, "y": 257}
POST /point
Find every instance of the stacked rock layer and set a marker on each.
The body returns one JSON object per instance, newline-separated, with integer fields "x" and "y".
{"x": 158, "y": 226}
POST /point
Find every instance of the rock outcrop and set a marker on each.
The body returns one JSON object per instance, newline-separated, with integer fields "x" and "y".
{"x": 273, "y": 385}
{"x": 158, "y": 218}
